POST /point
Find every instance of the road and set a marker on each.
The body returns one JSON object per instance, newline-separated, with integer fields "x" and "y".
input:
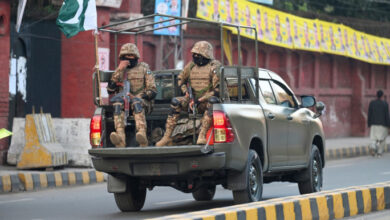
{"x": 93, "y": 201}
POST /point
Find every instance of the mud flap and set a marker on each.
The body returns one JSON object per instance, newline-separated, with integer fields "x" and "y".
{"x": 116, "y": 185}
{"x": 238, "y": 180}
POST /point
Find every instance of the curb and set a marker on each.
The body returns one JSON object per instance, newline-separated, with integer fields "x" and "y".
{"x": 334, "y": 204}
{"x": 26, "y": 181}
{"x": 348, "y": 152}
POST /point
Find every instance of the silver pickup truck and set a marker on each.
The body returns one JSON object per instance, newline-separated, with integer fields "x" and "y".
{"x": 274, "y": 138}
{"x": 261, "y": 133}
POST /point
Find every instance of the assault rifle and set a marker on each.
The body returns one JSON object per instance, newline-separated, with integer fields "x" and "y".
{"x": 193, "y": 103}
{"x": 124, "y": 98}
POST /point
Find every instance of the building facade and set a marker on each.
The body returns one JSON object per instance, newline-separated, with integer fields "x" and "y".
{"x": 59, "y": 70}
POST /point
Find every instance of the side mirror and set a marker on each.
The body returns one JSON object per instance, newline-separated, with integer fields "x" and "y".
{"x": 308, "y": 101}
{"x": 320, "y": 107}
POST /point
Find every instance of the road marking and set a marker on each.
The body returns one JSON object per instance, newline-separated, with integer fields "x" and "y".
{"x": 17, "y": 200}
{"x": 385, "y": 173}
{"x": 177, "y": 201}
{"x": 339, "y": 165}
{"x": 292, "y": 185}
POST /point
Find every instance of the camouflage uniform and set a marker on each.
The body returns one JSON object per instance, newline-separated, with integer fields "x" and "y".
{"x": 204, "y": 81}
{"x": 143, "y": 88}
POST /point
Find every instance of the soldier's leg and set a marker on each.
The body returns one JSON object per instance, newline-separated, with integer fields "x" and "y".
{"x": 177, "y": 104}
{"x": 140, "y": 122}
{"x": 206, "y": 120}
{"x": 118, "y": 138}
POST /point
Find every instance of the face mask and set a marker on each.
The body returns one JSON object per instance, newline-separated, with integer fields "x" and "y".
{"x": 200, "y": 60}
{"x": 133, "y": 63}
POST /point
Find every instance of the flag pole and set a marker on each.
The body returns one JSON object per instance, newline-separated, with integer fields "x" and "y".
{"x": 97, "y": 66}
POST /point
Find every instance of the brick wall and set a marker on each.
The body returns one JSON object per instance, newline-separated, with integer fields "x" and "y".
{"x": 77, "y": 63}
{"x": 4, "y": 72}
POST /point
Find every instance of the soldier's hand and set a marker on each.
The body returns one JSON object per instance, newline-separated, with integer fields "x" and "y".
{"x": 200, "y": 100}
{"x": 123, "y": 64}
{"x": 187, "y": 95}
{"x": 191, "y": 105}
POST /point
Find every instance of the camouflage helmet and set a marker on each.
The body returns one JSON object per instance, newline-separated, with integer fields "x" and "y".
{"x": 128, "y": 49}
{"x": 203, "y": 48}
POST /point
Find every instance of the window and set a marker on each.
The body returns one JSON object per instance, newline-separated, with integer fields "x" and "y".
{"x": 266, "y": 91}
{"x": 283, "y": 96}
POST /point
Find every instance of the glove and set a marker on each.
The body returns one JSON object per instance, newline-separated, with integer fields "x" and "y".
{"x": 112, "y": 87}
{"x": 145, "y": 96}
{"x": 149, "y": 95}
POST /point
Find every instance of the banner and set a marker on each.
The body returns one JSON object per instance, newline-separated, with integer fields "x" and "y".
{"x": 289, "y": 31}
{"x": 170, "y": 7}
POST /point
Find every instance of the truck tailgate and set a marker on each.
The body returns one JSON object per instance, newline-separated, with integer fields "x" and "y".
{"x": 139, "y": 152}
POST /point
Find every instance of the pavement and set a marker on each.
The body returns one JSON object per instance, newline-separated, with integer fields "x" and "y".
{"x": 14, "y": 180}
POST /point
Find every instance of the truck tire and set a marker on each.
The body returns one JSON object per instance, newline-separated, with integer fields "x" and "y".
{"x": 254, "y": 187}
{"x": 204, "y": 193}
{"x": 133, "y": 199}
{"x": 313, "y": 174}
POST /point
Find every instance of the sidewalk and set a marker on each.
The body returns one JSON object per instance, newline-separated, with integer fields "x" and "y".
{"x": 14, "y": 180}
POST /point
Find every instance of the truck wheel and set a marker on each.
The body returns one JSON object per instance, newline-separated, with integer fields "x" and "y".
{"x": 313, "y": 180}
{"x": 204, "y": 193}
{"x": 132, "y": 200}
{"x": 254, "y": 188}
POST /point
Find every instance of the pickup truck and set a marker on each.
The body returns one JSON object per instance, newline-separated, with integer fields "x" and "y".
{"x": 261, "y": 133}
{"x": 277, "y": 138}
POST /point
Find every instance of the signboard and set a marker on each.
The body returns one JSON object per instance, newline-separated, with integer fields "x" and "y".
{"x": 167, "y": 7}
{"x": 104, "y": 59}
{"x": 109, "y": 3}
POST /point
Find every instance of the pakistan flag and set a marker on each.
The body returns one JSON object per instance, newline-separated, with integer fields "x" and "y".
{"x": 76, "y": 16}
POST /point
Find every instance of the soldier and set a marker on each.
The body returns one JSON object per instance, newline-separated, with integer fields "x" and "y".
{"x": 142, "y": 92}
{"x": 202, "y": 75}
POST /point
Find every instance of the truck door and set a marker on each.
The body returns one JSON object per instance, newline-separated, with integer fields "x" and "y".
{"x": 277, "y": 128}
{"x": 297, "y": 123}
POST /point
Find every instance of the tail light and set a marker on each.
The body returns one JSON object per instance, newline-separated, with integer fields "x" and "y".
{"x": 96, "y": 131}
{"x": 223, "y": 132}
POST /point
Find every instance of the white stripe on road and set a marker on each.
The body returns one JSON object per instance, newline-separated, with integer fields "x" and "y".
{"x": 177, "y": 201}
{"x": 17, "y": 200}
{"x": 385, "y": 173}
{"x": 292, "y": 185}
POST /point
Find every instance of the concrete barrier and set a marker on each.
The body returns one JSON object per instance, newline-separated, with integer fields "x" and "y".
{"x": 28, "y": 181}
{"x": 71, "y": 133}
{"x": 334, "y": 204}
{"x": 41, "y": 150}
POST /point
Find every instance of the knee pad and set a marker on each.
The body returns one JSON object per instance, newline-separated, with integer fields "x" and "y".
{"x": 213, "y": 100}
{"x": 175, "y": 102}
{"x": 137, "y": 107}
{"x": 117, "y": 109}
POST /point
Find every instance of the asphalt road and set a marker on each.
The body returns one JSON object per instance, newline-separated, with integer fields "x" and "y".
{"x": 93, "y": 201}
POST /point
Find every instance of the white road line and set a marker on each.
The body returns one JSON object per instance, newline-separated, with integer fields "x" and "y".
{"x": 385, "y": 173}
{"x": 17, "y": 200}
{"x": 339, "y": 165}
{"x": 177, "y": 201}
{"x": 292, "y": 185}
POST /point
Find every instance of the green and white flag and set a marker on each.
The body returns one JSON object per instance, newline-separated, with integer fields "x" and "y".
{"x": 76, "y": 16}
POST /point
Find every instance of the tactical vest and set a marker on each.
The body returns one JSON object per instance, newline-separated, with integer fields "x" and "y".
{"x": 136, "y": 77}
{"x": 200, "y": 79}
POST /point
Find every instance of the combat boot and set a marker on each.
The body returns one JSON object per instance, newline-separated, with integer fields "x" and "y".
{"x": 206, "y": 122}
{"x": 118, "y": 138}
{"x": 170, "y": 125}
{"x": 140, "y": 124}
